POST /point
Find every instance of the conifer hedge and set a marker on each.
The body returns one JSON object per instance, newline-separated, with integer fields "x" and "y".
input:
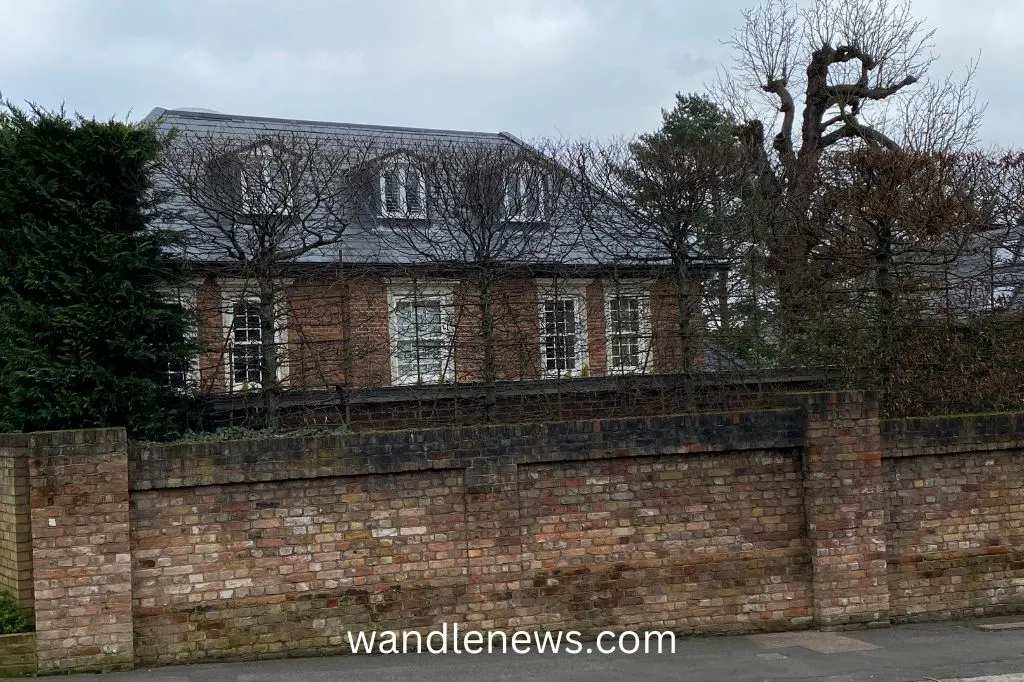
{"x": 87, "y": 330}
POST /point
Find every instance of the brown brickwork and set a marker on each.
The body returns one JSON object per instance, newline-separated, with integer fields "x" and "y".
{"x": 367, "y": 351}
{"x": 81, "y": 555}
{"x": 706, "y": 544}
{"x": 844, "y": 503}
{"x": 211, "y": 338}
{"x": 667, "y": 338}
{"x": 809, "y": 514}
{"x": 514, "y": 310}
{"x": 316, "y": 342}
{"x": 956, "y": 519}
{"x": 15, "y": 530}
{"x": 269, "y": 568}
{"x": 18, "y": 655}
{"x": 597, "y": 346}
{"x": 260, "y": 548}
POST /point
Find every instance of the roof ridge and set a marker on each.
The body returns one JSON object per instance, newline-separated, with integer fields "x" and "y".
{"x": 332, "y": 124}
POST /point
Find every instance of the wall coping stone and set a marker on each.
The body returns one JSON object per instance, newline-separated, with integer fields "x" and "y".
{"x": 489, "y": 448}
{"x": 945, "y": 435}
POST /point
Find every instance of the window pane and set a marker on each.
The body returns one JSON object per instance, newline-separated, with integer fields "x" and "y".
{"x": 420, "y": 347}
{"x": 245, "y": 362}
{"x": 624, "y": 331}
{"x": 278, "y": 177}
{"x": 625, "y": 315}
{"x": 512, "y": 195}
{"x": 413, "y": 198}
{"x": 246, "y": 350}
{"x": 392, "y": 195}
{"x": 531, "y": 198}
{"x": 405, "y": 320}
{"x": 177, "y": 374}
{"x": 266, "y": 181}
{"x": 560, "y": 334}
{"x": 1002, "y": 255}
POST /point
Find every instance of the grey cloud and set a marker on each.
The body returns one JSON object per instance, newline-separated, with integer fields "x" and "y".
{"x": 567, "y": 68}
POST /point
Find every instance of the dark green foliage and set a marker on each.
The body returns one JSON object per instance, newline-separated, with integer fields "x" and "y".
{"x": 690, "y": 179}
{"x": 11, "y": 619}
{"x": 86, "y": 333}
{"x": 695, "y": 121}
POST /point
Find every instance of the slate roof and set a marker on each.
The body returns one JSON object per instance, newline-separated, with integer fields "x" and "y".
{"x": 368, "y": 243}
{"x": 238, "y": 126}
{"x": 990, "y": 270}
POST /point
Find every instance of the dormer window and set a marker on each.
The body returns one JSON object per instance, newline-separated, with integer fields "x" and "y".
{"x": 525, "y": 196}
{"x": 267, "y": 178}
{"x": 403, "y": 190}
{"x": 1002, "y": 255}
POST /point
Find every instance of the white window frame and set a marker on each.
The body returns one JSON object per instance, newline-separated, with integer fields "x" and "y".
{"x": 640, "y": 290}
{"x": 1003, "y": 296}
{"x": 565, "y": 289}
{"x": 238, "y": 291}
{"x": 1003, "y": 255}
{"x": 399, "y": 291}
{"x": 185, "y": 296}
{"x": 517, "y": 192}
{"x": 256, "y": 158}
{"x": 401, "y": 165}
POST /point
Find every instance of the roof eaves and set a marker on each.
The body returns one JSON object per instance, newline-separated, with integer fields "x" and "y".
{"x": 154, "y": 115}
{"x": 330, "y": 124}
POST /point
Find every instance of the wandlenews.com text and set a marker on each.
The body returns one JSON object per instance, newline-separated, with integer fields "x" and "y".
{"x": 458, "y": 640}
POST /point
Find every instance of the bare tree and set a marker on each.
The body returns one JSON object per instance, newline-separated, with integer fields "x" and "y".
{"x": 489, "y": 214}
{"x": 680, "y": 197}
{"x": 1008, "y": 166}
{"x": 825, "y": 77}
{"x": 679, "y": 217}
{"x": 254, "y": 209}
{"x": 895, "y": 226}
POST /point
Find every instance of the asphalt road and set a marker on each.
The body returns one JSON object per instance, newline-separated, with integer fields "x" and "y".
{"x": 946, "y": 652}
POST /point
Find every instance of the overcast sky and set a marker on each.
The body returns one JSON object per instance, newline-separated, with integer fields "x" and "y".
{"x": 537, "y": 68}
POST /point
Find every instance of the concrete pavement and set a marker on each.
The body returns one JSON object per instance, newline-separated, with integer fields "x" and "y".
{"x": 946, "y": 652}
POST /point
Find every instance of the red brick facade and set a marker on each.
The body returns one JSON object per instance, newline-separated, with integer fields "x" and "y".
{"x": 811, "y": 513}
{"x": 338, "y": 330}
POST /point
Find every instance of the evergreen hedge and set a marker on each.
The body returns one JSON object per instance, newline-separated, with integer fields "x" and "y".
{"x": 86, "y": 327}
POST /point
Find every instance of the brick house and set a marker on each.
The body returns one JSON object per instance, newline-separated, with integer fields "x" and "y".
{"x": 393, "y": 297}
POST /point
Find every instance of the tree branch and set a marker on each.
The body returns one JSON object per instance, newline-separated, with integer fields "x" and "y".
{"x": 783, "y": 142}
{"x": 853, "y": 128}
{"x": 846, "y": 92}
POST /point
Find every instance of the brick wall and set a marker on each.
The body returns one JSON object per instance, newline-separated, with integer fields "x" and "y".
{"x": 316, "y": 342}
{"x": 259, "y": 548}
{"x": 18, "y": 655}
{"x": 844, "y": 503}
{"x": 15, "y": 532}
{"x": 809, "y": 513}
{"x": 267, "y": 568}
{"x": 81, "y": 557}
{"x": 704, "y": 544}
{"x": 367, "y": 352}
{"x": 211, "y": 338}
{"x": 955, "y": 527}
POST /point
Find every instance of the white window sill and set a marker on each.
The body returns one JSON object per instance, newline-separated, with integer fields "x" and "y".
{"x": 401, "y": 215}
